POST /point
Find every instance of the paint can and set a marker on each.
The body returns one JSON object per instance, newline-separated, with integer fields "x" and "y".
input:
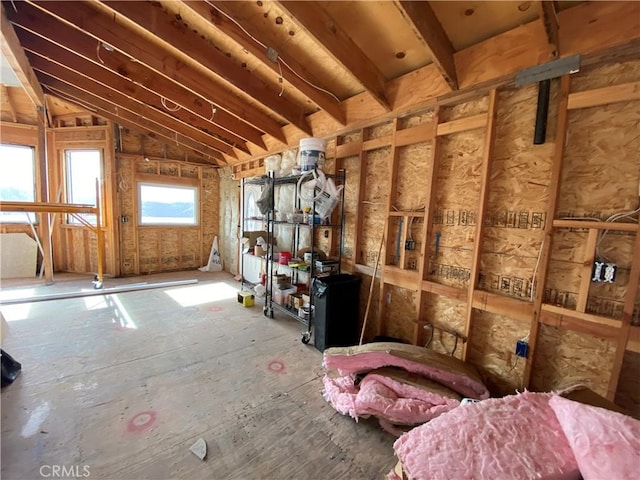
{"x": 311, "y": 153}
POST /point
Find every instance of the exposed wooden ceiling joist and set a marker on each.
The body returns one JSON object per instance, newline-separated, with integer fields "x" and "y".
{"x": 429, "y": 29}
{"x": 13, "y": 52}
{"x": 175, "y": 33}
{"x": 46, "y": 49}
{"x": 549, "y": 18}
{"x": 122, "y": 101}
{"x": 220, "y": 123}
{"x": 319, "y": 24}
{"x": 123, "y": 117}
{"x": 140, "y": 49}
{"x": 221, "y": 16}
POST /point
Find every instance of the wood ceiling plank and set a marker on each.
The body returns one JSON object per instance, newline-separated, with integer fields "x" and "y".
{"x": 218, "y": 15}
{"x": 37, "y": 22}
{"x": 105, "y": 102}
{"x": 141, "y": 50}
{"x": 13, "y": 52}
{"x": 313, "y": 18}
{"x": 112, "y": 95}
{"x": 429, "y": 29}
{"x": 154, "y": 19}
{"x": 109, "y": 79}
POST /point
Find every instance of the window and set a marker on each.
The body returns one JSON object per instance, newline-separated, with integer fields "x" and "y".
{"x": 252, "y": 214}
{"x": 83, "y": 167}
{"x": 17, "y": 181}
{"x": 167, "y": 204}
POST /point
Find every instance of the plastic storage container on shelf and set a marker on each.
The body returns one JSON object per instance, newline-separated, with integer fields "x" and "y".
{"x": 281, "y": 295}
{"x": 311, "y": 153}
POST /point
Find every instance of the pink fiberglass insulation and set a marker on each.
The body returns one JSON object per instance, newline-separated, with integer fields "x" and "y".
{"x": 606, "y": 444}
{"x": 386, "y": 398}
{"x": 515, "y": 437}
{"x": 402, "y": 405}
{"x": 341, "y": 393}
{"x": 446, "y": 370}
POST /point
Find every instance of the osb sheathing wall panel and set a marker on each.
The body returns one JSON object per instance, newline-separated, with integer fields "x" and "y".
{"x": 126, "y": 198}
{"x": 441, "y": 312}
{"x": 567, "y": 358}
{"x": 374, "y": 207}
{"x": 517, "y": 196}
{"x": 457, "y": 189}
{"x": 352, "y": 169}
{"x": 229, "y": 218}
{"x": 489, "y": 351}
{"x": 399, "y": 307}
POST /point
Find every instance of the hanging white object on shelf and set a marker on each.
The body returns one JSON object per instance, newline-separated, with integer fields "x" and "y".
{"x": 311, "y": 153}
{"x": 215, "y": 262}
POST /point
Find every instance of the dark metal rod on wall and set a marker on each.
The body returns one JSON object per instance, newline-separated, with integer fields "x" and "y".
{"x": 542, "y": 112}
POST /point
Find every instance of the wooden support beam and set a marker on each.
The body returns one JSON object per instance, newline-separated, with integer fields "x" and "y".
{"x": 627, "y": 313}
{"x": 13, "y": 52}
{"x": 428, "y": 29}
{"x": 626, "y": 92}
{"x": 545, "y": 254}
{"x": 633, "y": 343}
{"x": 462, "y": 124}
{"x": 99, "y": 95}
{"x": 348, "y": 149}
{"x": 501, "y": 305}
{"x": 362, "y": 189}
{"x": 549, "y": 19}
{"x": 219, "y": 14}
{"x": 140, "y": 49}
{"x": 428, "y": 214}
{"x": 318, "y": 23}
{"x": 485, "y": 177}
{"x": 154, "y": 18}
{"x": 566, "y": 319}
{"x": 400, "y": 277}
{"x": 106, "y": 84}
{"x": 375, "y": 143}
{"x": 126, "y": 118}
{"x": 614, "y": 226}
{"x": 33, "y": 22}
{"x": 417, "y": 134}
{"x": 585, "y": 270}
{"x": 448, "y": 291}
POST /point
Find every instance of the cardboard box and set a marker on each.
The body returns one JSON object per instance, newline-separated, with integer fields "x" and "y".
{"x": 253, "y": 236}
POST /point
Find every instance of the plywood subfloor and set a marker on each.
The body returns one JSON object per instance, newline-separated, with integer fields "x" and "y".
{"x": 125, "y": 384}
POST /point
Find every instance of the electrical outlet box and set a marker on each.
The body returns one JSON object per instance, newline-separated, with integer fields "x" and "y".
{"x": 522, "y": 348}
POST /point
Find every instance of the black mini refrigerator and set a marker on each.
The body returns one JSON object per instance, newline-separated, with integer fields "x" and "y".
{"x": 337, "y": 304}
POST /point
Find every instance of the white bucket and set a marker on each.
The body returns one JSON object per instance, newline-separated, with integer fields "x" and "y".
{"x": 311, "y": 153}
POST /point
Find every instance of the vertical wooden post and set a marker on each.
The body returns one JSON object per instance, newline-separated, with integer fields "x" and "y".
{"x": 99, "y": 233}
{"x": 45, "y": 225}
{"x": 427, "y": 227}
{"x": 554, "y": 189}
{"x": 585, "y": 271}
{"x": 485, "y": 177}
{"x": 362, "y": 187}
{"x": 627, "y": 313}
{"x": 393, "y": 179}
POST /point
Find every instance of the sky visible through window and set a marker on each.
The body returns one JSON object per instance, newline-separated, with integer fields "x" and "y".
{"x": 167, "y": 204}
{"x": 17, "y": 180}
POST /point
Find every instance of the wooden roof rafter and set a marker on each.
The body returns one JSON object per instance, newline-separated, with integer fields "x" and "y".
{"x": 188, "y": 41}
{"x": 13, "y": 52}
{"x": 112, "y": 95}
{"x": 109, "y": 80}
{"x": 140, "y": 49}
{"x": 430, "y": 31}
{"x": 126, "y": 117}
{"x": 33, "y": 22}
{"x": 312, "y": 17}
{"x": 224, "y": 18}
